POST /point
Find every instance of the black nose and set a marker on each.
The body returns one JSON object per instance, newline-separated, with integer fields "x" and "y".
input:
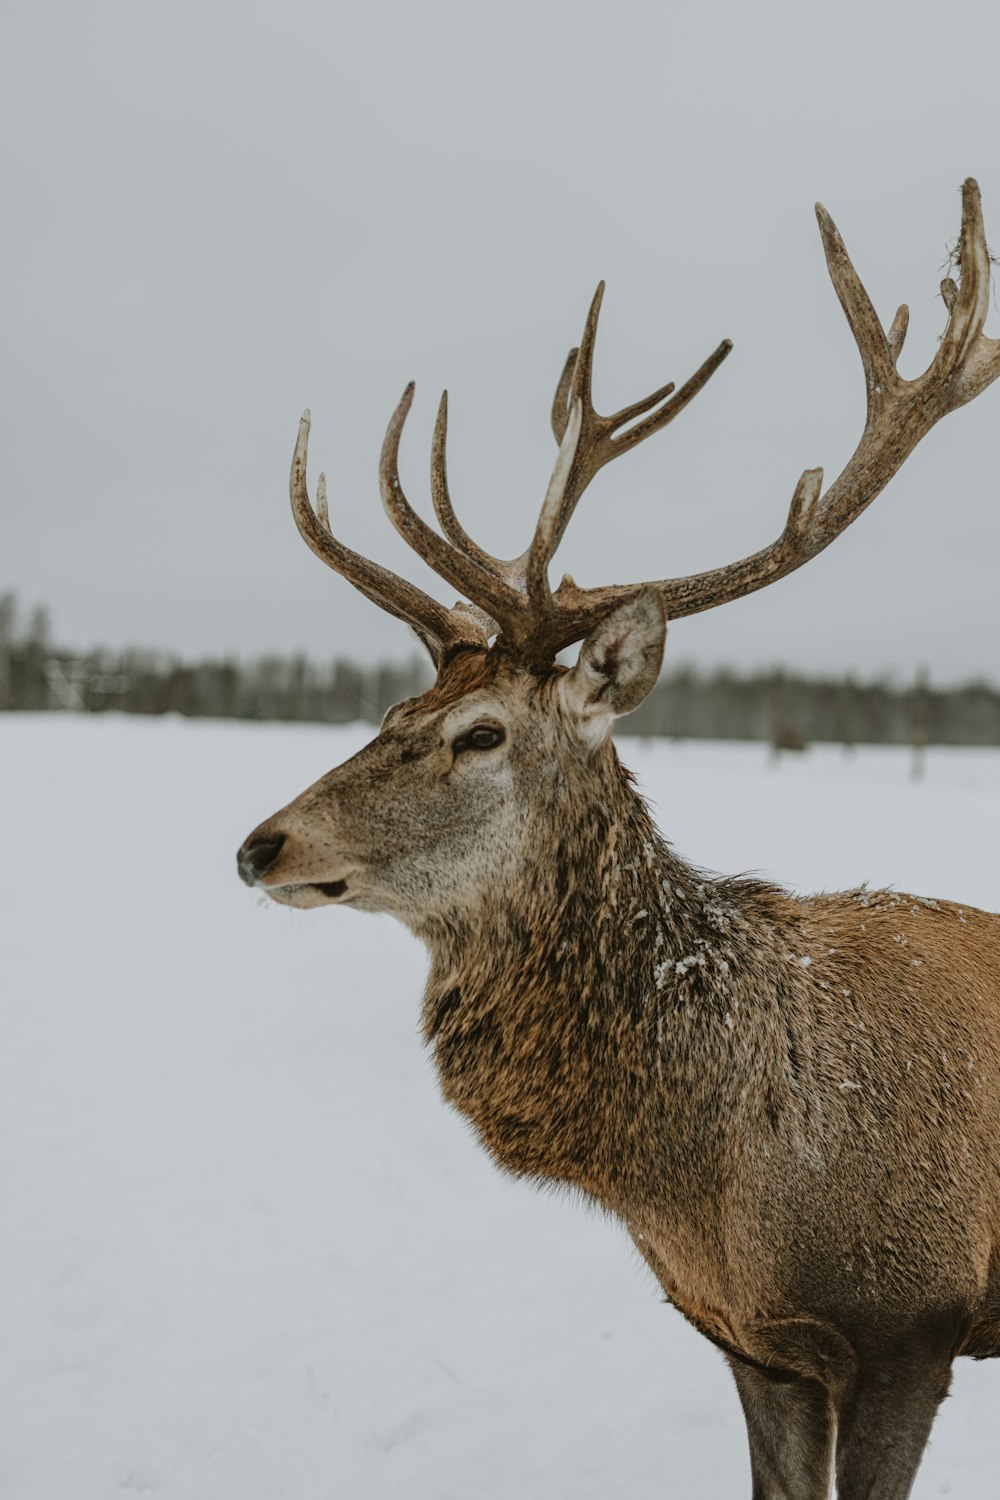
{"x": 257, "y": 856}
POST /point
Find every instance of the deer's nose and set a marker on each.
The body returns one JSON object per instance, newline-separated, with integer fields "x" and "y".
{"x": 257, "y": 856}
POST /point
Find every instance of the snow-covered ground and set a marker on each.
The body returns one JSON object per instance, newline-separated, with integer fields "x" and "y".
{"x": 246, "y": 1252}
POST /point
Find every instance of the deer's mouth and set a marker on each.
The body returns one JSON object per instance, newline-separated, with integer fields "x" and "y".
{"x": 309, "y": 893}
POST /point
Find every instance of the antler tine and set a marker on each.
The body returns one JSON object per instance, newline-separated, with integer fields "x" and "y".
{"x": 968, "y": 315}
{"x": 873, "y": 346}
{"x": 476, "y": 581}
{"x": 964, "y": 346}
{"x": 583, "y": 369}
{"x": 545, "y": 540}
{"x": 900, "y": 413}
{"x": 561, "y": 399}
{"x": 440, "y": 628}
{"x": 623, "y": 441}
{"x": 897, "y": 333}
{"x": 447, "y": 519}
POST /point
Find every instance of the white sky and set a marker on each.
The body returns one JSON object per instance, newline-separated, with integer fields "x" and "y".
{"x": 221, "y": 213}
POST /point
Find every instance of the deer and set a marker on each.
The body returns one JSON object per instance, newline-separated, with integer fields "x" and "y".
{"x": 791, "y": 1103}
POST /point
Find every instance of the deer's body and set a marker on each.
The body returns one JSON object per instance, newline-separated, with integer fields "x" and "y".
{"x": 793, "y": 1105}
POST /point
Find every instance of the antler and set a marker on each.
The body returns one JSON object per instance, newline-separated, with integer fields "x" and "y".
{"x": 514, "y": 597}
{"x": 441, "y": 629}
{"x": 900, "y": 413}
{"x": 599, "y": 440}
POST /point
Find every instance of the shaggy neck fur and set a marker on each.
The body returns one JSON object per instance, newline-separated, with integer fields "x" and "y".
{"x": 597, "y": 1021}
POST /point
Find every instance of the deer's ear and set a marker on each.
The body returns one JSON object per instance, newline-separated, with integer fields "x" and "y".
{"x": 619, "y": 663}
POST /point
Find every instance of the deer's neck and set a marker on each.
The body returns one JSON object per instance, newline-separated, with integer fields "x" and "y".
{"x": 590, "y": 1021}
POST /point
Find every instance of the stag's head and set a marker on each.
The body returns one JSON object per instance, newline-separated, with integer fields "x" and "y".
{"x": 462, "y": 784}
{"x": 436, "y": 814}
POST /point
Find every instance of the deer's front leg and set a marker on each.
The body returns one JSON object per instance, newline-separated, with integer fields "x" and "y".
{"x": 884, "y": 1425}
{"x": 790, "y": 1427}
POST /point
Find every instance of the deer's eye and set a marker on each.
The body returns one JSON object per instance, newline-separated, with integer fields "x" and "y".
{"x": 480, "y": 737}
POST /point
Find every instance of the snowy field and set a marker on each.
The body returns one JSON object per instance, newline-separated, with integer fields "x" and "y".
{"x": 247, "y": 1253}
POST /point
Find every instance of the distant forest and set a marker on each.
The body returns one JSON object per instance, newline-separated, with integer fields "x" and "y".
{"x": 784, "y": 708}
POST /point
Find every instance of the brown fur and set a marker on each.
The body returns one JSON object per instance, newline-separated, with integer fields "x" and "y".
{"x": 780, "y": 1136}
{"x": 792, "y": 1104}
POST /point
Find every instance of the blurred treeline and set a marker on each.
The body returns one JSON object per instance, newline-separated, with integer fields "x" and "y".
{"x": 784, "y": 708}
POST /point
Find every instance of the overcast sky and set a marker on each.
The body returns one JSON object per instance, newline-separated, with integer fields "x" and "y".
{"x": 218, "y": 214}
